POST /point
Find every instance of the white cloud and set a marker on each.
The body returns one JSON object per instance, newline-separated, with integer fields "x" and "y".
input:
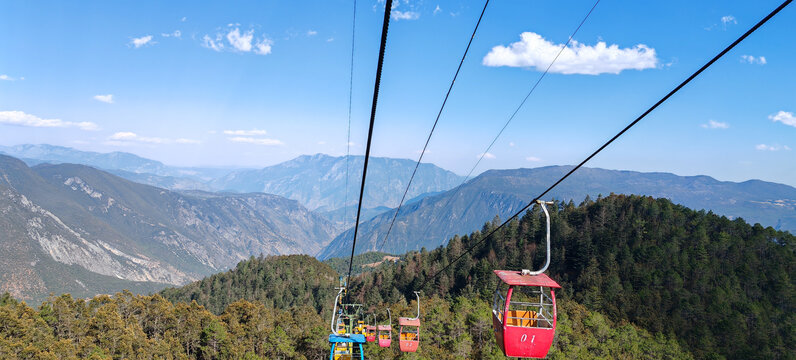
{"x": 183, "y": 19}
{"x": 108, "y": 99}
{"x": 437, "y": 10}
{"x": 8, "y": 78}
{"x": 405, "y": 15}
{"x": 20, "y": 118}
{"x": 321, "y": 142}
{"x": 750, "y": 59}
{"x": 176, "y": 33}
{"x": 728, "y": 19}
{"x": 533, "y": 159}
{"x": 533, "y": 51}
{"x": 128, "y": 137}
{"x": 263, "y": 47}
{"x": 144, "y": 40}
{"x": 486, "y": 155}
{"x": 764, "y": 147}
{"x": 238, "y": 41}
{"x": 133, "y": 137}
{"x": 713, "y": 124}
{"x": 784, "y": 117}
{"x": 258, "y": 141}
{"x": 330, "y": 39}
{"x": 511, "y": 144}
{"x": 253, "y": 132}
{"x": 241, "y": 42}
{"x": 214, "y": 44}
{"x": 312, "y": 33}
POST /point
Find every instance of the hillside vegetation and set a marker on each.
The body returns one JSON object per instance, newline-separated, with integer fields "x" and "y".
{"x": 642, "y": 278}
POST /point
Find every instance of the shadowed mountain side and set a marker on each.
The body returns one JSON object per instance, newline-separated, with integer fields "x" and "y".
{"x": 429, "y": 223}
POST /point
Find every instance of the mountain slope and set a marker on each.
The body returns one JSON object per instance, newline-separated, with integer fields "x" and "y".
{"x": 318, "y": 181}
{"x": 77, "y": 215}
{"x": 431, "y": 221}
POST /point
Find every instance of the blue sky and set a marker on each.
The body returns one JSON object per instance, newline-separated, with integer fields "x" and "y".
{"x": 257, "y": 83}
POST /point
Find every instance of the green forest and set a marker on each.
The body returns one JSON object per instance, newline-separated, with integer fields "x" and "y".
{"x": 642, "y": 279}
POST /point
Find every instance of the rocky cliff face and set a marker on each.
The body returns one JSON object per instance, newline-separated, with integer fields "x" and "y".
{"x": 78, "y": 216}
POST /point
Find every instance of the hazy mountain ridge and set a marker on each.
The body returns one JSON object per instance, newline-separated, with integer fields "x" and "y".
{"x": 319, "y": 181}
{"x": 502, "y": 192}
{"x": 121, "y": 163}
{"x": 77, "y": 215}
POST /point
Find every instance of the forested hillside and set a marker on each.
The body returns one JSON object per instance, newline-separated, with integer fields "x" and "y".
{"x": 723, "y": 287}
{"x": 642, "y": 278}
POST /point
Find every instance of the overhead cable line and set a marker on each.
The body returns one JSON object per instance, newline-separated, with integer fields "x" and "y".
{"x": 514, "y": 114}
{"x": 385, "y": 26}
{"x": 633, "y": 123}
{"x": 433, "y": 127}
{"x": 350, "y": 97}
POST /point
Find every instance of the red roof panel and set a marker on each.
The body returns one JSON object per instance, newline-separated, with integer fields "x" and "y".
{"x": 408, "y": 322}
{"x": 516, "y": 278}
{"x": 384, "y": 327}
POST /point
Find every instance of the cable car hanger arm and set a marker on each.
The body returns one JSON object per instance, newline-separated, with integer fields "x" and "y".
{"x": 543, "y": 204}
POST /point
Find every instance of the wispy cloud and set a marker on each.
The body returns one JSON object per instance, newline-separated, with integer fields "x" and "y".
{"x": 176, "y": 34}
{"x": 330, "y": 39}
{"x": 405, "y": 15}
{"x": 312, "y": 33}
{"x": 237, "y": 41}
{"x": 764, "y": 147}
{"x": 784, "y": 117}
{"x": 713, "y": 124}
{"x": 486, "y": 155}
{"x": 257, "y": 141}
{"x": 533, "y": 159}
{"x": 725, "y": 21}
{"x": 108, "y": 99}
{"x": 127, "y": 137}
{"x": 533, "y": 51}
{"x": 141, "y": 41}
{"x": 728, "y": 19}
{"x": 750, "y": 59}
{"x": 253, "y": 132}
{"x": 8, "y": 78}
{"x": 437, "y": 10}
{"x": 20, "y": 118}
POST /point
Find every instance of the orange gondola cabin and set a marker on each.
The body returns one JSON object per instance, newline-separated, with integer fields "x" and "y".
{"x": 524, "y": 313}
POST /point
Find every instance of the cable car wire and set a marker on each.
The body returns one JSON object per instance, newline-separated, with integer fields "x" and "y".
{"x": 433, "y": 127}
{"x": 385, "y": 26}
{"x": 633, "y": 123}
{"x": 514, "y": 114}
{"x": 350, "y": 97}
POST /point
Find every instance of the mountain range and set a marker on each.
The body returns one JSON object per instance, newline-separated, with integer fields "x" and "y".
{"x": 431, "y": 221}
{"x": 68, "y": 215}
{"x": 104, "y": 221}
{"x": 316, "y": 181}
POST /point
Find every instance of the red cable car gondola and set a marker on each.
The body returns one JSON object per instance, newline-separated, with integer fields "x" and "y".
{"x": 524, "y": 319}
{"x": 409, "y": 338}
{"x": 370, "y": 331}
{"x": 385, "y": 332}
